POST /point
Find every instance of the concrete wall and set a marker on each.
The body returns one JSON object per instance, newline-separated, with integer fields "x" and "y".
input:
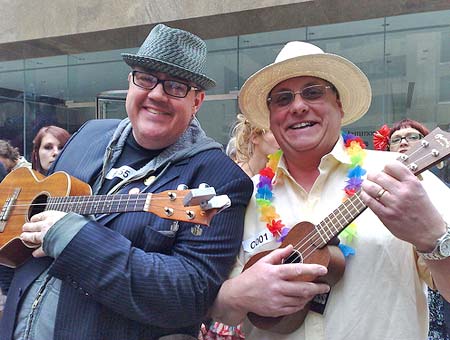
{"x": 38, "y": 28}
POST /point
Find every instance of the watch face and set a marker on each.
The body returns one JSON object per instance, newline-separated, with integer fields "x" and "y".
{"x": 444, "y": 248}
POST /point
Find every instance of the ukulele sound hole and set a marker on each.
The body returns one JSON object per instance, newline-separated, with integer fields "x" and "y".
{"x": 294, "y": 257}
{"x": 38, "y": 205}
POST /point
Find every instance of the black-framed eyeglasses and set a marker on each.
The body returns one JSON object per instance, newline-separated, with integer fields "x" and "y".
{"x": 172, "y": 88}
{"x": 309, "y": 93}
{"x": 410, "y": 137}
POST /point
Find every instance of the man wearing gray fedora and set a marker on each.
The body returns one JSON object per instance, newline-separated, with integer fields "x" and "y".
{"x": 134, "y": 275}
{"x": 320, "y": 181}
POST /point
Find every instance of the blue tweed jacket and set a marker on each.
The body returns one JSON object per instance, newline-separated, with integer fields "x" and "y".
{"x": 130, "y": 275}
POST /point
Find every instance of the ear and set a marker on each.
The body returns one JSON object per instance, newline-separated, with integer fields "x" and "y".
{"x": 198, "y": 100}
{"x": 339, "y": 104}
{"x": 254, "y": 138}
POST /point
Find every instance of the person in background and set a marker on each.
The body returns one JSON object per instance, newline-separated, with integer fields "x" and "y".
{"x": 3, "y": 171}
{"x": 399, "y": 244}
{"x": 249, "y": 147}
{"x": 10, "y": 157}
{"x": 135, "y": 275}
{"x": 252, "y": 145}
{"x": 404, "y": 135}
{"x": 47, "y": 144}
{"x": 230, "y": 150}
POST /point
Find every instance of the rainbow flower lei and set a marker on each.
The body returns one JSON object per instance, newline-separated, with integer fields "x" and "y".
{"x": 264, "y": 195}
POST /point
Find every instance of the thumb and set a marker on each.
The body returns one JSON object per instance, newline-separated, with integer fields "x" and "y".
{"x": 277, "y": 256}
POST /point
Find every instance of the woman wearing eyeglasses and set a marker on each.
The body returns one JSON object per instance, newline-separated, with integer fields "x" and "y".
{"x": 401, "y": 137}
{"x": 404, "y": 135}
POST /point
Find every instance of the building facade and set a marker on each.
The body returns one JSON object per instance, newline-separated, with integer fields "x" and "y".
{"x": 60, "y": 60}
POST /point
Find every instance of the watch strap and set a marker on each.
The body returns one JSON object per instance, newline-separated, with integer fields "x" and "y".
{"x": 436, "y": 254}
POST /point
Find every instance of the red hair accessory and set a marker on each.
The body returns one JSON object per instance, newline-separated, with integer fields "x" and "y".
{"x": 381, "y": 138}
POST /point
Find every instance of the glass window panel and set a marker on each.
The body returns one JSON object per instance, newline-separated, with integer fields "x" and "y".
{"x": 253, "y": 59}
{"x": 38, "y": 63}
{"x": 98, "y": 57}
{"x": 271, "y": 38}
{"x": 217, "y": 117}
{"x": 367, "y": 53}
{"x": 444, "y": 90}
{"x": 12, "y": 81}
{"x": 219, "y": 44}
{"x": 415, "y": 75}
{"x": 14, "y": 65}
{"x": 222, "y": 67}
{"x": 87, "y": 80}
{"x": 445, "y": 47}
{"x": 345, "y": 29}
{"x": 418, "y": 20}
{"x": 50, "y": 82}
{"x": 12, "y": 122}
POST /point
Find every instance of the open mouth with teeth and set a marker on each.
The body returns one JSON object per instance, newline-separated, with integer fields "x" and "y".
{"x": 303, "y": 125}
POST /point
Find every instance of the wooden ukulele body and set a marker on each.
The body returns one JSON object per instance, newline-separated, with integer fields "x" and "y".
{"x": 30, "y": 191}
{"x": 305, "y": 251}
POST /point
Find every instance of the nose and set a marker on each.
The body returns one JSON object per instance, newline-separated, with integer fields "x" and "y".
{"x": 55, "y": 151}
{"x": 298, "y": 104}
{"x": 157, "y": 92}
{"x": 404, "y": 141}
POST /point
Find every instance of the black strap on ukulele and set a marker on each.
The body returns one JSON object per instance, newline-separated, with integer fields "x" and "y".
{"x": 319, "y": 303}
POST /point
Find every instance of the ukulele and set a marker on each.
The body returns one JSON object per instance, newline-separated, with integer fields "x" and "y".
{"x": 311, "y": 242}
{"x": 25, "y": 192}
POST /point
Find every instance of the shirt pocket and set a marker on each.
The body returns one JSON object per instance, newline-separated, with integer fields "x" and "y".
{"x": 160, "y": 236}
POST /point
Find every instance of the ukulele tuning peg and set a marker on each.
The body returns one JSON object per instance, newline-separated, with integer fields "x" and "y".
{"x": 203, "y": 186}
{"x": 168, "y": 211}
{"x": 182, "y": 187}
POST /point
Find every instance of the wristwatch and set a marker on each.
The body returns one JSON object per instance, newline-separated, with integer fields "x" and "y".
{"x": 442, "y": 249}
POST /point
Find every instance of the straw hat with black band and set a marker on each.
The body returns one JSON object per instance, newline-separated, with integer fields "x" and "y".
{"x": 304, "y": 59}
{"x": 173, "y": 51}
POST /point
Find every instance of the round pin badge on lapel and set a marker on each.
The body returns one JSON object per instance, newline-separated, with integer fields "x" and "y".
{"x": 196, "y": 230}
{"x": 149, "y": 180}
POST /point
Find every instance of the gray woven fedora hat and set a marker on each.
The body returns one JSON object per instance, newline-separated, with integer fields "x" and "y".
{"x": 173, "y": 51}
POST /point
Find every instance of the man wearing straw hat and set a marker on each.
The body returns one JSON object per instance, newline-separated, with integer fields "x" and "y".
{"x": 134, "y": 275}
{"x": 305, "y": 97}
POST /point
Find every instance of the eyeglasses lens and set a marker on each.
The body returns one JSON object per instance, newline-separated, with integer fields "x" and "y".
{"x": 310, "y": 93}
{"x": 171, "y": 87}
{"x": 410, "y": 137}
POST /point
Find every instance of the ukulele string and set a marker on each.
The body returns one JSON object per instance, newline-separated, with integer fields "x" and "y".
{"x": 314, "y": 235}
{"x": 309, "y": 239}
{"x": 115, "y": 202}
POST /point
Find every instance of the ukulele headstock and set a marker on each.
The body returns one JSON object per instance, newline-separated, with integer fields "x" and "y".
{"x": 197, "y": 206}
{"x": 432, "y": 149}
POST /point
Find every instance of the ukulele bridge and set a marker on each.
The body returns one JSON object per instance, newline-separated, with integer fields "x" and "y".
{"x": 7, "y": 207}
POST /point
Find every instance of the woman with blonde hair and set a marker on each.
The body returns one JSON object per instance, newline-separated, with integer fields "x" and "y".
{"x": 252, "y": 146}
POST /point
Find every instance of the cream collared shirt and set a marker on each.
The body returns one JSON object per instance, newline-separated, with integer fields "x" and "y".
{"x": 382, "y": 294}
